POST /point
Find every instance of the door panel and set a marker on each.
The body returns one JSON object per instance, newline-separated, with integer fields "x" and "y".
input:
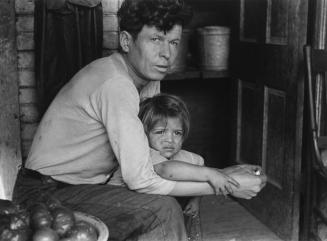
{"x": 277, "y": 21}
{"x": 270, "y": 105}
{"x": 273, "y": 150}
{"x": 252, "y": 14}
{"x": 262, "y": 140}
{"x": 249, "y": 136}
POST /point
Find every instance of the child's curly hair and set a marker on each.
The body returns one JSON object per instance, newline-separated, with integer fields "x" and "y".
{"x": 161, "y": 107}
{"x": 162, "y": 14}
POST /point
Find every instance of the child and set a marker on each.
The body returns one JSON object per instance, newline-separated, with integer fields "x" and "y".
{"x": 166, "y": 122}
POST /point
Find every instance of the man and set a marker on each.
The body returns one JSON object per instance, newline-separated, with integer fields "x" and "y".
{"x": 92, "y": 126}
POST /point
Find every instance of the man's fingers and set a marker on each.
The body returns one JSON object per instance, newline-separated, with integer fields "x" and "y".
{"x": 220, "y": 192}
{"x": 229, "y": 189}
{"x": 233, "y": 182}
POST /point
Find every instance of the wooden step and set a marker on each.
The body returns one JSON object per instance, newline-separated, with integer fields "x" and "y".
{"x": 226, "y": 220}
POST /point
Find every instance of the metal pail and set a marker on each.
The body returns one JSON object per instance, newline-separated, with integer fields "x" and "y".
{"x": 179, "y": 64}
{"x": 213, "y": 47}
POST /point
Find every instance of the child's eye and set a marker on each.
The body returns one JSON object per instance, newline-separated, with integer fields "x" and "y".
{"x": 155, "y": 39}
{"x": 159, "y": 132}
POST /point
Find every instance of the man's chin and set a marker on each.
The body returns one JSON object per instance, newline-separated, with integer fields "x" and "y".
{"x": 158, "y": 76}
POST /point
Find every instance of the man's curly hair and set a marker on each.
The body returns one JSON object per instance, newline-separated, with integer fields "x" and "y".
{"x": 162, "y": 14}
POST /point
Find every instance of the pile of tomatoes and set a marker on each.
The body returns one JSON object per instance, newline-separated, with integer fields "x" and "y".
{"x": 48, "y": 220}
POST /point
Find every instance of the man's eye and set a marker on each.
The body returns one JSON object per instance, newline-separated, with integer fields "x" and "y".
{"x": 174, "y": 43}
{"x": 178, "y": 133}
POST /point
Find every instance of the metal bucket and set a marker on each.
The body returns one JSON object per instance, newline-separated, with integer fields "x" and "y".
{"x": 213, "y": 47}
{"x": 180, "y": 64}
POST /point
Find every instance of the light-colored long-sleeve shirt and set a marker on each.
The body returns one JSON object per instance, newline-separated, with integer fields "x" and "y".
{"x": 92, "y": 123}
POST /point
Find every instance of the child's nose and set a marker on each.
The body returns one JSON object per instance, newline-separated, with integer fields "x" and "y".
{"x": 169, "y": 137}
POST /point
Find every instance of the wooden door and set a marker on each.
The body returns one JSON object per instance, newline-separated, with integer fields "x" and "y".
{"x": 269, "y": 92}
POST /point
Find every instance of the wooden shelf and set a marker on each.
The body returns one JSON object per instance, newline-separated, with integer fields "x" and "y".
{"x": 196, "y": 74}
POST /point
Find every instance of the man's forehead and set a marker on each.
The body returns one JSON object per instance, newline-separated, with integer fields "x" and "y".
{"x": 175, "y": 31}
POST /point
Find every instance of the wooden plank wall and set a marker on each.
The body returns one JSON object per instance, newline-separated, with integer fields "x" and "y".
{"x": 29, "y": 116}
{"x": 10, "y": 156}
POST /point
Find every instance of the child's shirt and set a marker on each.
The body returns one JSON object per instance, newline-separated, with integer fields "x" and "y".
{"x": 182, "y": 155}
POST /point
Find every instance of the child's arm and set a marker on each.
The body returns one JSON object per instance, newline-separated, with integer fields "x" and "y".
{"x": 182, "y": 171}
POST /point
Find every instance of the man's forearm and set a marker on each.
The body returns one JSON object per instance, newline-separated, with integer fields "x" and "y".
{"x": 203, "y": 188}
{"x": 192, "y": 189}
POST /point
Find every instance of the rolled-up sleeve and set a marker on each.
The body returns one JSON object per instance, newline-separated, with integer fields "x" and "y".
{"x": 117, "y": 104}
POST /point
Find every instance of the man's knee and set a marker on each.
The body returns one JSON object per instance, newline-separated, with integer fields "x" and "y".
{"x": 169, "y": 224}
{"x": 170, "y": 209}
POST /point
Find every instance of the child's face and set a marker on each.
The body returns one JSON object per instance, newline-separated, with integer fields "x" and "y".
{"x": 167, "y": 137}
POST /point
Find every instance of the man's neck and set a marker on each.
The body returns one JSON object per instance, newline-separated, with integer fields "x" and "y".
{"x": 138, "y": 79}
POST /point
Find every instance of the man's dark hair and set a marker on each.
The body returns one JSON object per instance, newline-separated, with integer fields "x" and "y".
{"x": 161, "y": 107}
{"x": 162, "y": 14}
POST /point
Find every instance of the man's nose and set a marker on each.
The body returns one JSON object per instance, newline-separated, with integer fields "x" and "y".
{"x": 165, "y": 50}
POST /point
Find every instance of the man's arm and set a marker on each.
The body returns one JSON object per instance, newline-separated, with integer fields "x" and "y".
{"x": 117, "y": 107}
{"x": 249, "y": 183}
{"x": 204, "y": 188}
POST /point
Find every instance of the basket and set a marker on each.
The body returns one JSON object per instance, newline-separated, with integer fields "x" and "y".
{"x": 101, "y": 227}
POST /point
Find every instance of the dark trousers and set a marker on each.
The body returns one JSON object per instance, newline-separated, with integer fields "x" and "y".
{"x": 129, "y": 215}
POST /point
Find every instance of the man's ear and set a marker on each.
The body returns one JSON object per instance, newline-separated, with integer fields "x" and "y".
{"x": 125, "y": 40}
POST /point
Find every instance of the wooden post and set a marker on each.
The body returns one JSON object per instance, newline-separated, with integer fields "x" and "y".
{"x": 10, "y": 154}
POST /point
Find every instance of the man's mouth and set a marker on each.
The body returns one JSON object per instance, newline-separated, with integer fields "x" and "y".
{"x": 162, "y": 68}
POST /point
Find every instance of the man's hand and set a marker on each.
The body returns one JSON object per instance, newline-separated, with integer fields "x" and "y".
{"x": 220, "y": 182}
{"x": 245, "y": 194}
{"x": 250, "y": 177}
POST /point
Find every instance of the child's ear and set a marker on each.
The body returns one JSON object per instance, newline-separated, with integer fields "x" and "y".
{"x": 125, "y": 39}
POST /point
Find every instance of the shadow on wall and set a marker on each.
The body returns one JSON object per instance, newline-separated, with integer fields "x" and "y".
{"x": 209, "y": 106}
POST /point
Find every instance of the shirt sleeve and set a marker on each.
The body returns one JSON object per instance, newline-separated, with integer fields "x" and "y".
{"x": 189, "y": 157}
{"x": 156, "y": 158}
{"x": 117, "y": 104}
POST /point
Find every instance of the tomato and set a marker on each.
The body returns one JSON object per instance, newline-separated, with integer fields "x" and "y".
{"x": 82, "y": 231}
{"x": 15, "y": 235}
{"x": 45, "y": 234}
{"x": 40, "y": 216}
{"x": 19, "y": 220}
{"x": 63, "y": 220}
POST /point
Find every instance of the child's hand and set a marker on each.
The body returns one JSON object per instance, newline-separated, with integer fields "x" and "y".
{"x": 222, "y": 183}
{"x": 193, "y": 207}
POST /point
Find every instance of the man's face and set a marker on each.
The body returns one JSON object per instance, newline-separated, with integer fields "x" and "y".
{"x": 152, "y": 53}
{"x": 167, "y": 137}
